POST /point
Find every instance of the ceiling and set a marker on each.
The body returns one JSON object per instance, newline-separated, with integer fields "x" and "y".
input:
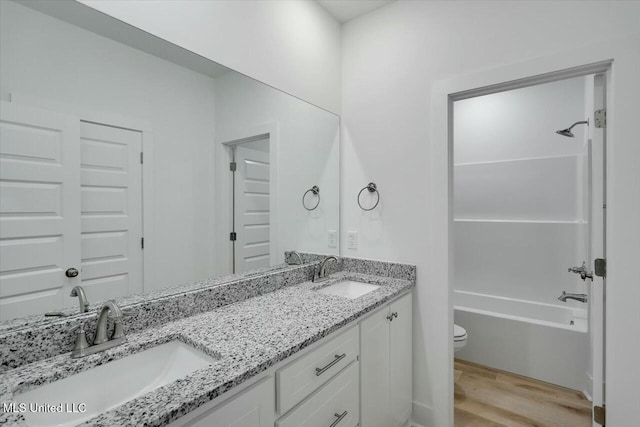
{"x": 346, "y": 10}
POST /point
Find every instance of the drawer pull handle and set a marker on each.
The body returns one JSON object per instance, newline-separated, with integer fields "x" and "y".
{"x": 340, "y": 417}
{"x": 339, "y": 357}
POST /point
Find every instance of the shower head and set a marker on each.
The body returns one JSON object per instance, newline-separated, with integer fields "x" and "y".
{"x": 567, "y": 131}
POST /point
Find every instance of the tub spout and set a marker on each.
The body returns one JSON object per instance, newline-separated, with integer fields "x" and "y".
{"x": 578, "y": 297}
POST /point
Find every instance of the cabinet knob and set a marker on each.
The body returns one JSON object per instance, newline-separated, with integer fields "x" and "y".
{"x": 72, "y": 272}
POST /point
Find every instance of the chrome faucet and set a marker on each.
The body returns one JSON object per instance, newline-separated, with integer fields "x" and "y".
{"x": 321, "y": 275}
{"x": 578, "y": 297}
{"x": 82, "y": 347}
{"x": 583, "y": 271}
{"x": 297, "y": 255}
{"x": 77, "y": 291}
{"x": 101, "y": 327}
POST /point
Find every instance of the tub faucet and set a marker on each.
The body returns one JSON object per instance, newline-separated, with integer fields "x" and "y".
{"x": 578, "y": 297}
{"x": 321, "y": 275}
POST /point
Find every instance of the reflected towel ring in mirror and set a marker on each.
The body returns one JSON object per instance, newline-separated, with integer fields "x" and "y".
{"x": 316, "y": 191}
{"x": 373, "y": 188}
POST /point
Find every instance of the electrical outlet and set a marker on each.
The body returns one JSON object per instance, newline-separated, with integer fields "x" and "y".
{"x": 352, "y": 240}
{"x": 333, "y": 238}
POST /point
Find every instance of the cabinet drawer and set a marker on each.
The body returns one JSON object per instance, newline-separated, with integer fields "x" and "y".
{"x": 300, "y": 378}
{"x": 335, "y": 404}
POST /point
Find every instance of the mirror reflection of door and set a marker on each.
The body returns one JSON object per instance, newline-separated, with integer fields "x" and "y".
{"x": 251, "y": 217}
{"x": 70, "y": 199}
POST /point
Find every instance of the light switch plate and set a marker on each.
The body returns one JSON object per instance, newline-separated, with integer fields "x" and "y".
{"x": 352, "y": 240}
{"x": 333, "y": 238}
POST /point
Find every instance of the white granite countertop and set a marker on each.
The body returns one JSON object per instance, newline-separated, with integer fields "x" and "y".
{"x": 246, "y": 338}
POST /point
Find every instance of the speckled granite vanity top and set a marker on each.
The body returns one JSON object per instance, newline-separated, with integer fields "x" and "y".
{"x": 246, "y": 337}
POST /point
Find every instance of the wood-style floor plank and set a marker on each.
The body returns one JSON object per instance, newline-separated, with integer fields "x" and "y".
{"x": 486, "y": 397}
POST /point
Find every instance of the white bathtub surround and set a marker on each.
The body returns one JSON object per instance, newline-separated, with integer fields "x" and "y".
{"x": 521, "y": 219}
{"x": 531, "y": 339}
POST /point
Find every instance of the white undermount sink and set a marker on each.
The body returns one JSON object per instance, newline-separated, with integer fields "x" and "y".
{"x": 110, "y": 385}
{"x": 349, "y": 289}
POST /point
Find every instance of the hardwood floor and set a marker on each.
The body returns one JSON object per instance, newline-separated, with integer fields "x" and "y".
{"x": 486, "y": 397}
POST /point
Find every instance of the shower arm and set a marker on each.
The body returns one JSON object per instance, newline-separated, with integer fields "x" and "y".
{"x": 583, "y": 122}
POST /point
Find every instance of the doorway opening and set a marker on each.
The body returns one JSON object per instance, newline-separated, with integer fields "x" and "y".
{"x": 528, "y": 226}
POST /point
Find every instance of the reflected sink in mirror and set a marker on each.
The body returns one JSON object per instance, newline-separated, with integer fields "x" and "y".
{"x": 349, "y": 289}
{"x": 110, "y": 385}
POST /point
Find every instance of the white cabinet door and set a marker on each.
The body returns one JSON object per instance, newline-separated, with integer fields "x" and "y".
{"x": 111, "y": 183}
{"x": 374, "y": 370}
{"x": 252, "y": 408}
{"x": 39, "y": 209}
{"x": 401, "y": 357}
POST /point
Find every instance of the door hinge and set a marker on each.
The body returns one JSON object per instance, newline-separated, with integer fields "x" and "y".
{"x": 142, "y": 242}
{"x": 233, "y": 166}
{"x": 141, "y": 157}
{"x": 600, "y": 118}
{"x": 600, "y": 266}
{"x": 599, "y": 414}
{"x": 233, "y": 236}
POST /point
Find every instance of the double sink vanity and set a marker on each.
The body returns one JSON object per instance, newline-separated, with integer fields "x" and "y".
{"x": 282, "y": 348}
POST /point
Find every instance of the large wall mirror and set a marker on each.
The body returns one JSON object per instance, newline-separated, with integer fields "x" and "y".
{"x": 129, "y": 165}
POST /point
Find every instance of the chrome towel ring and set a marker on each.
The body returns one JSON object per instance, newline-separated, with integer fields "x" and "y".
{"x": 316, "y": 191}
{"x": 373, "y": 188}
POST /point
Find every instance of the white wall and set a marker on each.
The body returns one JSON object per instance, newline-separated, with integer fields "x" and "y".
{"x": 518, "y": 192}
{"x": 391, "y": 60}
{"x": 291, "y": 45}
{"x": 307, "y": 148}
{"x": 48, "y": 58}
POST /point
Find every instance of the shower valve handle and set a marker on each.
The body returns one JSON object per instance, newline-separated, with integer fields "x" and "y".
{"x": 583, "y": 271}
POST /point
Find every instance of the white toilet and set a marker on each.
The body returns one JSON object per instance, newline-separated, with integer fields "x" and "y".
{"x": 459, "y": 338}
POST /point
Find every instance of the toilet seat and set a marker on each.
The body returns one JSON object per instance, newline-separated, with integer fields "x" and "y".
{"x": 459, "y": 338}
{"x": 459, "y": 333}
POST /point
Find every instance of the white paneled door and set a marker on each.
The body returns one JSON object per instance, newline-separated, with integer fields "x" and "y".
{"x": 251, "y": 216}
{"x": 70, "y": 197}
{"x": 39, "y": 209}
{"x": 111, "y": 211}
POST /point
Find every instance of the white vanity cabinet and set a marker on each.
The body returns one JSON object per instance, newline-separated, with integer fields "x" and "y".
{"x": 361, "y": 377}
{"x": 386, "y": 365}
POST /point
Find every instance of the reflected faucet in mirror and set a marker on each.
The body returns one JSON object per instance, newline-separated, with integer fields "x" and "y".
{"x": 292, "y": 254}
{"x": 77, "y": 291}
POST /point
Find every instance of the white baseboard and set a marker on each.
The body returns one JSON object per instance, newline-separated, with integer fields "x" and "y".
{"x": 422, "y": 415}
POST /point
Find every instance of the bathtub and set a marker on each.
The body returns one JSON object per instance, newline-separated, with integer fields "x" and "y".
{"x": 547, "y": 342}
